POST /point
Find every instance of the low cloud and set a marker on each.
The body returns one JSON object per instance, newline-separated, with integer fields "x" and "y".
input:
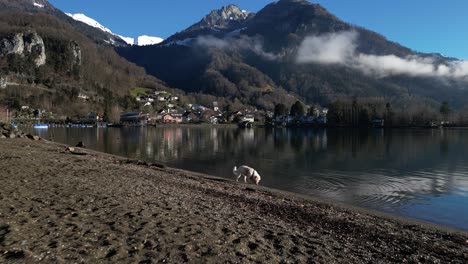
{"x": 335, "y": 48}
{"x": 341, "y": 48}
{"x": 240, "y": 43}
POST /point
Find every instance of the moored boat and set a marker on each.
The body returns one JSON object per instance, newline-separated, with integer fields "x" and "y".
{"x": 41, "y": 126}
{"x": 245, "y": 124}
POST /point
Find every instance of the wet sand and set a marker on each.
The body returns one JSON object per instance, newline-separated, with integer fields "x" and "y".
{"x": 58, "y": 207}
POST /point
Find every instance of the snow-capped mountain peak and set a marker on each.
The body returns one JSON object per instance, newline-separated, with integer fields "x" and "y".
{"x": 140, "y": 41}
{"x": 89, "y": 21}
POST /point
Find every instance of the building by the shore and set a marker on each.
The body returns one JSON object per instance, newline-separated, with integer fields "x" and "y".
{"x": 134, "y": 119}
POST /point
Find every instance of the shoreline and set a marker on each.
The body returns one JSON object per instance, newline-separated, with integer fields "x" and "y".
{"x": 240, "y": 222}
{"x": 281, "y": 193}
{"x": 259, "y": 125}
{"x": 304, "y": 197}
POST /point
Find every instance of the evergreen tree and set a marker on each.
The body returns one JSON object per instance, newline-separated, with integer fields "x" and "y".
{"x": 445, "y": 109}
{"x": 389, "y": 115}
{"x": 228, "y": 111}
{"x": 334, "y": 115}
{"x": 297, "y": 109}
{"x": 364, "y": 117}
{"x": 311, "y": 111}
{"x": 280, "y": 110}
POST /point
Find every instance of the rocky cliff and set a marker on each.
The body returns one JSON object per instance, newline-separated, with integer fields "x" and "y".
{"x": 28, "y": 44}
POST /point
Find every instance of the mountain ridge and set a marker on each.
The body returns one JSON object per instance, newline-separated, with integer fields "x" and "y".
{"x": 31, "y": 6}
{"x": 289, "y": 50}
{"x": 339, "y": 60}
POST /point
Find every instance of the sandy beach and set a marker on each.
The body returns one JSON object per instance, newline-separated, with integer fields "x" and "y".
{"x": 59, "y": 207}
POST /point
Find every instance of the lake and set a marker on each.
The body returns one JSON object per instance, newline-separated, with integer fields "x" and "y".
{"x": 415, "y": 173}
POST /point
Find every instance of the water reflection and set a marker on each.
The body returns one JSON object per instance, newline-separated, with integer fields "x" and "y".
{"x": 416, "y": 173}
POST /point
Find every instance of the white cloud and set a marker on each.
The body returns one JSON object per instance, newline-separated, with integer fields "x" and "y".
{"x": 393, "y": 65}
{"x": 340, "y": 48}
{"x": 212, "y": 42}
{"x": 241, "y": 43}
{"x": 330, "y": 48}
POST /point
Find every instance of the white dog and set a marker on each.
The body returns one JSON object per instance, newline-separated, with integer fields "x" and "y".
{"x": 247, "y": 172}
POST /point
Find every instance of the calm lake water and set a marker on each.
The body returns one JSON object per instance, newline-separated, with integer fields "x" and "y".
{"x": 421, "y": 174}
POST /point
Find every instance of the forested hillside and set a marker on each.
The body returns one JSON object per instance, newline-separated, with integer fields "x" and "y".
{"x": 73, "y": 65}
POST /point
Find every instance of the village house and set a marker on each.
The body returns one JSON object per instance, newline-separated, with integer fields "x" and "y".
{"x": 144, "y": 99}
{"x": 134, "y": 119}
{"x": 237, "y": 115}
{"x": 172, "y": 118}
{"x": 216, "y": 119}
{"x": 248, "y": 118}
{"x": 159, "y": 115}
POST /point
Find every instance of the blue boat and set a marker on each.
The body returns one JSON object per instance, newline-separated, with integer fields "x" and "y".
{"x": 41, "y": 126}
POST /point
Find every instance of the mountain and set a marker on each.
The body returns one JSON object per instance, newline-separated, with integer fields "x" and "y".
{"x": 217, "y": 22}
{"x": 48, "y": 62}
{"x": 295, "y": 49}
{"x": 228, "y": 17}
{"x": 140, "y": 41}
{"x": 44, "y": 7}
{"x": 211, "y": 71}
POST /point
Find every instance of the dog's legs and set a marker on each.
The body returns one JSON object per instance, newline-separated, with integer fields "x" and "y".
{"x": 238, "y": 177}
{"x": 245, "y": 178}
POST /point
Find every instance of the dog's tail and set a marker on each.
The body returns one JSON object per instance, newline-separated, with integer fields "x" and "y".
{"x": 234, "y": 170}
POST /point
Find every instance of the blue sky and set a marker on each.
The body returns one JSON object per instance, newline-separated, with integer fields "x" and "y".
{"x": 422, "y": 25}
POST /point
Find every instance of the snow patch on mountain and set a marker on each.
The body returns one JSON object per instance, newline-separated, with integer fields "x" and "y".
{"x": 128, "y": 40}
{"x": 142, "y": 40}
{"x": 38, "y": 5}
{"x": 148, "y": 40}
